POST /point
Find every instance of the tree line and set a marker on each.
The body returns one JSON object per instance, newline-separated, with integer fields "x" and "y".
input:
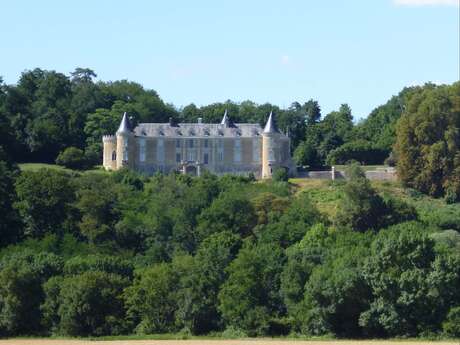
{"x": 47, "y": 112}
{"x": 94, "y": 253}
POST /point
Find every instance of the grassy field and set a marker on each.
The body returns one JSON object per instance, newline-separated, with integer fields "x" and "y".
{"x": 38, "y": 166}
{"x": 326, "y": 194}
{"x": 222, "y": 342}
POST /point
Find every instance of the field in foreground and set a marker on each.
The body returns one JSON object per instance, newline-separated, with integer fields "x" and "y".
{"x": 221, "y": 342}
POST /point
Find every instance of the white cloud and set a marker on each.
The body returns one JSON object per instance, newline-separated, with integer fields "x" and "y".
{"x": 426, "y": 2}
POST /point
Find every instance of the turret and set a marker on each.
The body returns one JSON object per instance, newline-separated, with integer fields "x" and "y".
{"x": 225, "y": 120}
{"x": 270, "y": 150}
{"x": 109, "y": 160}
{"x": 124, "y": 142}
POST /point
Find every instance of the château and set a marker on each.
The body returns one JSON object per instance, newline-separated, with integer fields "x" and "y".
{"x": 191, "y": 148}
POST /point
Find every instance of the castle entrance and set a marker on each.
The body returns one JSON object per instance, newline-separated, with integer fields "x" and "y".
{"x": 191, "y": 168}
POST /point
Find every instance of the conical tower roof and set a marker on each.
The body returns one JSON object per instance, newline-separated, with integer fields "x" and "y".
{"x": 270, "y": 126}
{"x": 124, "y": 125}
{"x": 225, "y": 120}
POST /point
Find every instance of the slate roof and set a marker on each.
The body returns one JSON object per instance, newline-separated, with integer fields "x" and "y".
{"x": 198, "y": 130}
{"x": 124, "y": 125}
{"x": 270, "y": 126}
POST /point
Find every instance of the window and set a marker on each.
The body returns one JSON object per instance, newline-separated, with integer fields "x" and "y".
{"x": 125, "y": 150}
{"x": 160, "y": 150}
{"x": 142, "y": 150}
{"x": 114, "y": 155}
{"x": 190, "y": 143}
{"x": 256, "y": 150}
{"x": 237, "y": 150}
{"x": 206, "y": 158}
{"x": 271, "y": 154}
{"x": 191, "y": 156}
{"x": 220, "y": 150}
{"x": 178, "y": 143}
{"x": 221, "y": 155}
{"x": 178, "y": 158}
{"x": 206, "y": 144}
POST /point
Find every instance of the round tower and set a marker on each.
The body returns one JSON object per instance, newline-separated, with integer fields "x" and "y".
{"x": 109, "y": 158}
{"x": 124, "y": 140}
{"x": 269, "y": 145}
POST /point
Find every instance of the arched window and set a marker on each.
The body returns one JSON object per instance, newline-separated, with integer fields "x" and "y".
{"x": 114, "y": 155}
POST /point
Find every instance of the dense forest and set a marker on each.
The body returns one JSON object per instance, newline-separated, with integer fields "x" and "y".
{"x": 92, "y": 253}
{"x": 46, "y": 112}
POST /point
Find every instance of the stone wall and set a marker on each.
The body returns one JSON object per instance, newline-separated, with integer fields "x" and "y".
{"x": 375, "y": 175}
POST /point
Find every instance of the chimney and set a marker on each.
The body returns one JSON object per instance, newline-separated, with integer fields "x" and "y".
{"x": 200, "y": 120}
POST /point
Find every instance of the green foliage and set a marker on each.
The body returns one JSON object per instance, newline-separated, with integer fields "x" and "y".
{"x": 358, "y": 150}
{"x": 44, "y": 201}
{"x": 292, "y": 224}
{"x": 280, "y": 174}
{"x": 451, "y": 326}
{"x": 96, "y": 198}
{"x": 195, "y": 313}
{"x": 250, "y": 299}
{"x": 306, "y": 154}
{"x": 109, "y": 264}
{"x": 86, "y": 304}
{"x": 361, "y": 208}
{"x": 302, "y": 258}
{"x": 380, "y": 126}
{"x": 151, "y": 300}
{"x": 72, "y": 158}
{"x": 336, "y": 293}
{"x": 10, "y": 226}
{"x": 413, "y": 285}
{"x": 230, "y": 211}
{"x": 22, "y": 275}
{"x": 427, "y": 145}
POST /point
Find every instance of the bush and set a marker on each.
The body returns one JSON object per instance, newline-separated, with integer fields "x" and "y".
{"x": 233, "y": 333}
{"x": 451, "y": 197}
{"x": 86, "y": 304}
{"x": 280, "y": 174}
{"x": 391, "y": 160}
{"x": 360, "y": 150}
{"x": 73, "y": 158}
{"x": 21, "y": 292}
{"x": 451, "y": 326}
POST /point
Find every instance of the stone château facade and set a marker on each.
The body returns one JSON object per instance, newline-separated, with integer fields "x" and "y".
{"x": 238, "y": 148}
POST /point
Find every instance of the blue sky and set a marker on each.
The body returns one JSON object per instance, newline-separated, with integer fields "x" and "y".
{"x": 359, "y": 52}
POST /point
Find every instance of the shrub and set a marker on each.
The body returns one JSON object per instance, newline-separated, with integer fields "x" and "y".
{"x": 451, "y": 197}
{"x": 233, "y": 333}
{"x": 21, "y": 292}
{"x": 391, "y": 160}
{"x": 86, "y": 304}
{"x": 451, "y": 326}
{"x": 280, "y": 174}
{"x": 72, "y": 158}
{"x": 360, "y": 150}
